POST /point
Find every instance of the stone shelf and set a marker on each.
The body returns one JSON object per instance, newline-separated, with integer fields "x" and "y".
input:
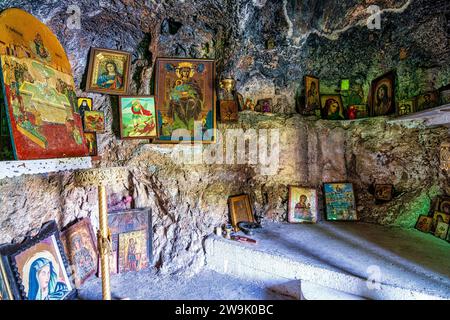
{"x": 17, "y": 168}
{"x": 438, "y": 116}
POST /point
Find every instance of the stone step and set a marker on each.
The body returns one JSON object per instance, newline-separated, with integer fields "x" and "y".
{"x": 284, "y": 274}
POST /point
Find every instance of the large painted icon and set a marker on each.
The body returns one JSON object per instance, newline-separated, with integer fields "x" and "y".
{"x": 109, "y": 71}
{"x": 38, "y": 90}
{"x": 340, "y": 201}
{"x": 137, "y": 117}
{"x": 40, "y": 267}
{"x": 185, "y": 98}
{"x": 302, "y": 205}
{"x": 79, "y": 245}
{"x": 382, "y": 95}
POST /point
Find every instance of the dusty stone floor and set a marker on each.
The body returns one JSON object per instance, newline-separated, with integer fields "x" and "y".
{"x": 405, "y": 258}
{"x": 206, "y": 285}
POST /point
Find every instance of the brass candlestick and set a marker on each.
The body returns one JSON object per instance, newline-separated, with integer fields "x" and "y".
{"x": 102, "y": 177}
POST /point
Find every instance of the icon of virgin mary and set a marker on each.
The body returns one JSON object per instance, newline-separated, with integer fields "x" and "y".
{"x": 111, "y": 78}
{"x": 43, "y": 281}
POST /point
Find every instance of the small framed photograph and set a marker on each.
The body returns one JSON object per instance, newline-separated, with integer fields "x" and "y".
{"x": 94, "y": 121}
{"x": 382, "y": 95}
{"x": 84, "y": 104}
{"x": 340, "y": 202}
{"x": 109, "y": 71}
{"x": 91, "y": 141}
{"x": 405, "y": 107}
{"x": 40, "y": 267}
{"x": 441, "y": 230}
{"x": 331, "y": 107}
{"x": 424, "y": 223}
{"x": 383, "y": 192}
{"x": 240, "y": 210}
{"x": 427, "y": 100}
{"x": 138, "y": 117}
{"x": 302, "y": 205}
{"x": 229, "y": 111}
{"x": 80, "y": 246}
{"x": 133, "y": 253}
{"x": 439, "y": 217}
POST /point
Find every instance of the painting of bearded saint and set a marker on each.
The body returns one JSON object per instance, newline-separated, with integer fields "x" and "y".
{"x": 382, "y": 95}
{"x": 186, "y": 100}
{"x": 42, "y": 271}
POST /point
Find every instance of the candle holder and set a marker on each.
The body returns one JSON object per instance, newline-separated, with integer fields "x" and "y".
{"x": 101, "y": 177}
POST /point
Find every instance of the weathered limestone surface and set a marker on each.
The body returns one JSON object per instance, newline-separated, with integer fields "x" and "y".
{"x": 268, "y": 46}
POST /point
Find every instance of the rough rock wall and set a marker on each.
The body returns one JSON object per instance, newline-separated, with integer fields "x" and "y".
{"x": 268, "y": 53}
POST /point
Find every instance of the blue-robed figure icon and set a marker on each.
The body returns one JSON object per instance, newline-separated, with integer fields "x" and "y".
{"x": 43, "y": 281}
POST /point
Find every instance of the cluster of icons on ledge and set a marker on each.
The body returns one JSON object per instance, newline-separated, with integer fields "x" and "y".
{"x": 438, "y": 219}
{"x": 348, "y": 104}
{"x": 41, "y": 116}
{"x": 304, "y": 207}
{"x": 53, "y": 265}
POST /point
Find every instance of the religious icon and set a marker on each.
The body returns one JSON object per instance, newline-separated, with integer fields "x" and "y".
{"x": 84, "y": 104}
{"x": 424, "y": 223}
{"x": 302, "y": 205}
{"x": 40, "y": 267}
{"x": 130, "y": 220}
{"x": 443, "y": 204}
{"x": 405, "y": 107}
{"x": 264, "y": 105}
{"x": 137, "y": 117}
{"x": 39, "y": 91}
{"x": 228, "y": 111}
{"x": 109, "y": 71}
{"x": 79, "y": 245}
{"x": 94, "y": 121}
{"x": 186, "y": 100}
{"x": 439, "y": 217}
{"x": 249, "y": 105}
{"x": 382, "y": 99}
{"x": 332, "y": 108}
{"x": 312, "y": 97}
{"x": 133, "y": 251}
{"x": 441, "y": 230}
{"x": 91, "y": 141}
{"x": 384, "y": 192}
{"x": 340, "y": 201}
{"x": 427, "y": 100}
{"x": 240, "y": 210}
